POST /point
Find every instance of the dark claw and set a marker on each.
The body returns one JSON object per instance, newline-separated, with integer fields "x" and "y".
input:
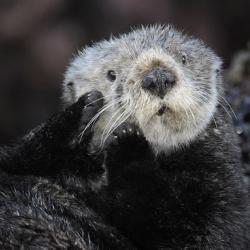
{"x": 126, "y": 137}
{"x": 127, "y": 144}
{"x": 94, "y": 98}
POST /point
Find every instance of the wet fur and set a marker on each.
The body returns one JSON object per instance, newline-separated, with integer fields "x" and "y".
{"x": 43, "y": 179}
{"x": 194, "y": 198}
{"x": 190, "y": 197}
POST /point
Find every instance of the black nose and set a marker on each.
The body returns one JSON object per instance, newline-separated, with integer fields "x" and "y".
{"x": 158, "y": 82}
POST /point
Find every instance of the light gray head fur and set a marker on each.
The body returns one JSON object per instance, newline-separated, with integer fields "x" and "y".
{"x": 190, "y": 105}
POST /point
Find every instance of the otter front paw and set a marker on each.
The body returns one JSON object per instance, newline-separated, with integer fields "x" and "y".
{"x": 59, "y": 130}
{"x": 49, "y": 148}
{"x": 127, "y": 142}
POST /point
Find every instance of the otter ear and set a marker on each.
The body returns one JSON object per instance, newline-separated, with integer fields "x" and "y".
{"x": 68, "y": 95}
{"x": 70, "y": 84}
{"x": 217, "y": 65}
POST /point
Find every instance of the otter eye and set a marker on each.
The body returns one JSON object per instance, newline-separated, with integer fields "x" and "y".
{"x": 70, "y": 84}
{"x": 183, "y": 59}
{"x": 111, "y": 75}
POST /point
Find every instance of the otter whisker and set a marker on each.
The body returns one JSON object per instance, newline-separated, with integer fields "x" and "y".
{"x": 113, "y": 124}
{"x": 126, "y": 113}
{"x": 122, "y": 119}
{"x": 94, "y": 122}
{"x": 226, "y": 110}
{"x": 100, "y": 99}
{"x": 228, "y": 104}
{"x": 98, "y": 114}
{"x": 200, "y": 96}
{"x": 106, "y": 107}
{"x": 111, "y": 119}
{"x": 186, "y": 113}
{"x": 129, "y": 111}
{"x": 189, "y": 108}
{"x": 108, "y": 129}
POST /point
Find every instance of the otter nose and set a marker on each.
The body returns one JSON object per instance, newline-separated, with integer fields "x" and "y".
{"x": 158, "y": 82}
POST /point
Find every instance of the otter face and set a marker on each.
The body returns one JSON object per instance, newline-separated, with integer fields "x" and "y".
{"x": 164, "y": 81}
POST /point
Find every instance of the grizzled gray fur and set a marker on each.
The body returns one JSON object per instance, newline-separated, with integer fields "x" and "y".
{"x": 144, "y": 157}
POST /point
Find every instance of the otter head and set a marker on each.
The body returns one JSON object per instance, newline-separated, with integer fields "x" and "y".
{"x": 157, "y": 77}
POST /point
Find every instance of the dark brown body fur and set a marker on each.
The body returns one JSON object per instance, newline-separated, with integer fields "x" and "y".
{"x": 194, "y": 198}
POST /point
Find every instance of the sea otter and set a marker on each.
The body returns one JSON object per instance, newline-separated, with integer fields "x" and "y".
{"x": 158, "y": 166}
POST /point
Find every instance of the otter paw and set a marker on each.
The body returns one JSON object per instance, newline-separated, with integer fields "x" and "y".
{"x": 88, "y": 105}
{"x": 61, "y": 126}
{"x": 93, "y": 101}
{"x": 127, "y": 140}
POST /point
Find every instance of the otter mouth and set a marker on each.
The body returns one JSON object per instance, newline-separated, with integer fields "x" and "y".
{"x": 162, "y": 110}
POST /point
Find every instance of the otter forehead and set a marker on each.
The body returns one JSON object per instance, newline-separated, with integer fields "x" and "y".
{"x": 118, "y": 53}
{"x": 165, "y": 81}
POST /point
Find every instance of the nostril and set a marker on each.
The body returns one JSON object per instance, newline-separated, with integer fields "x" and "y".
{"x": 152, "y": 85}
{"x": 168, "y": 83}
{"x": 149, "y": 83}
{"x": 170, "y": 80}
{"x": 159, "y": 82}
